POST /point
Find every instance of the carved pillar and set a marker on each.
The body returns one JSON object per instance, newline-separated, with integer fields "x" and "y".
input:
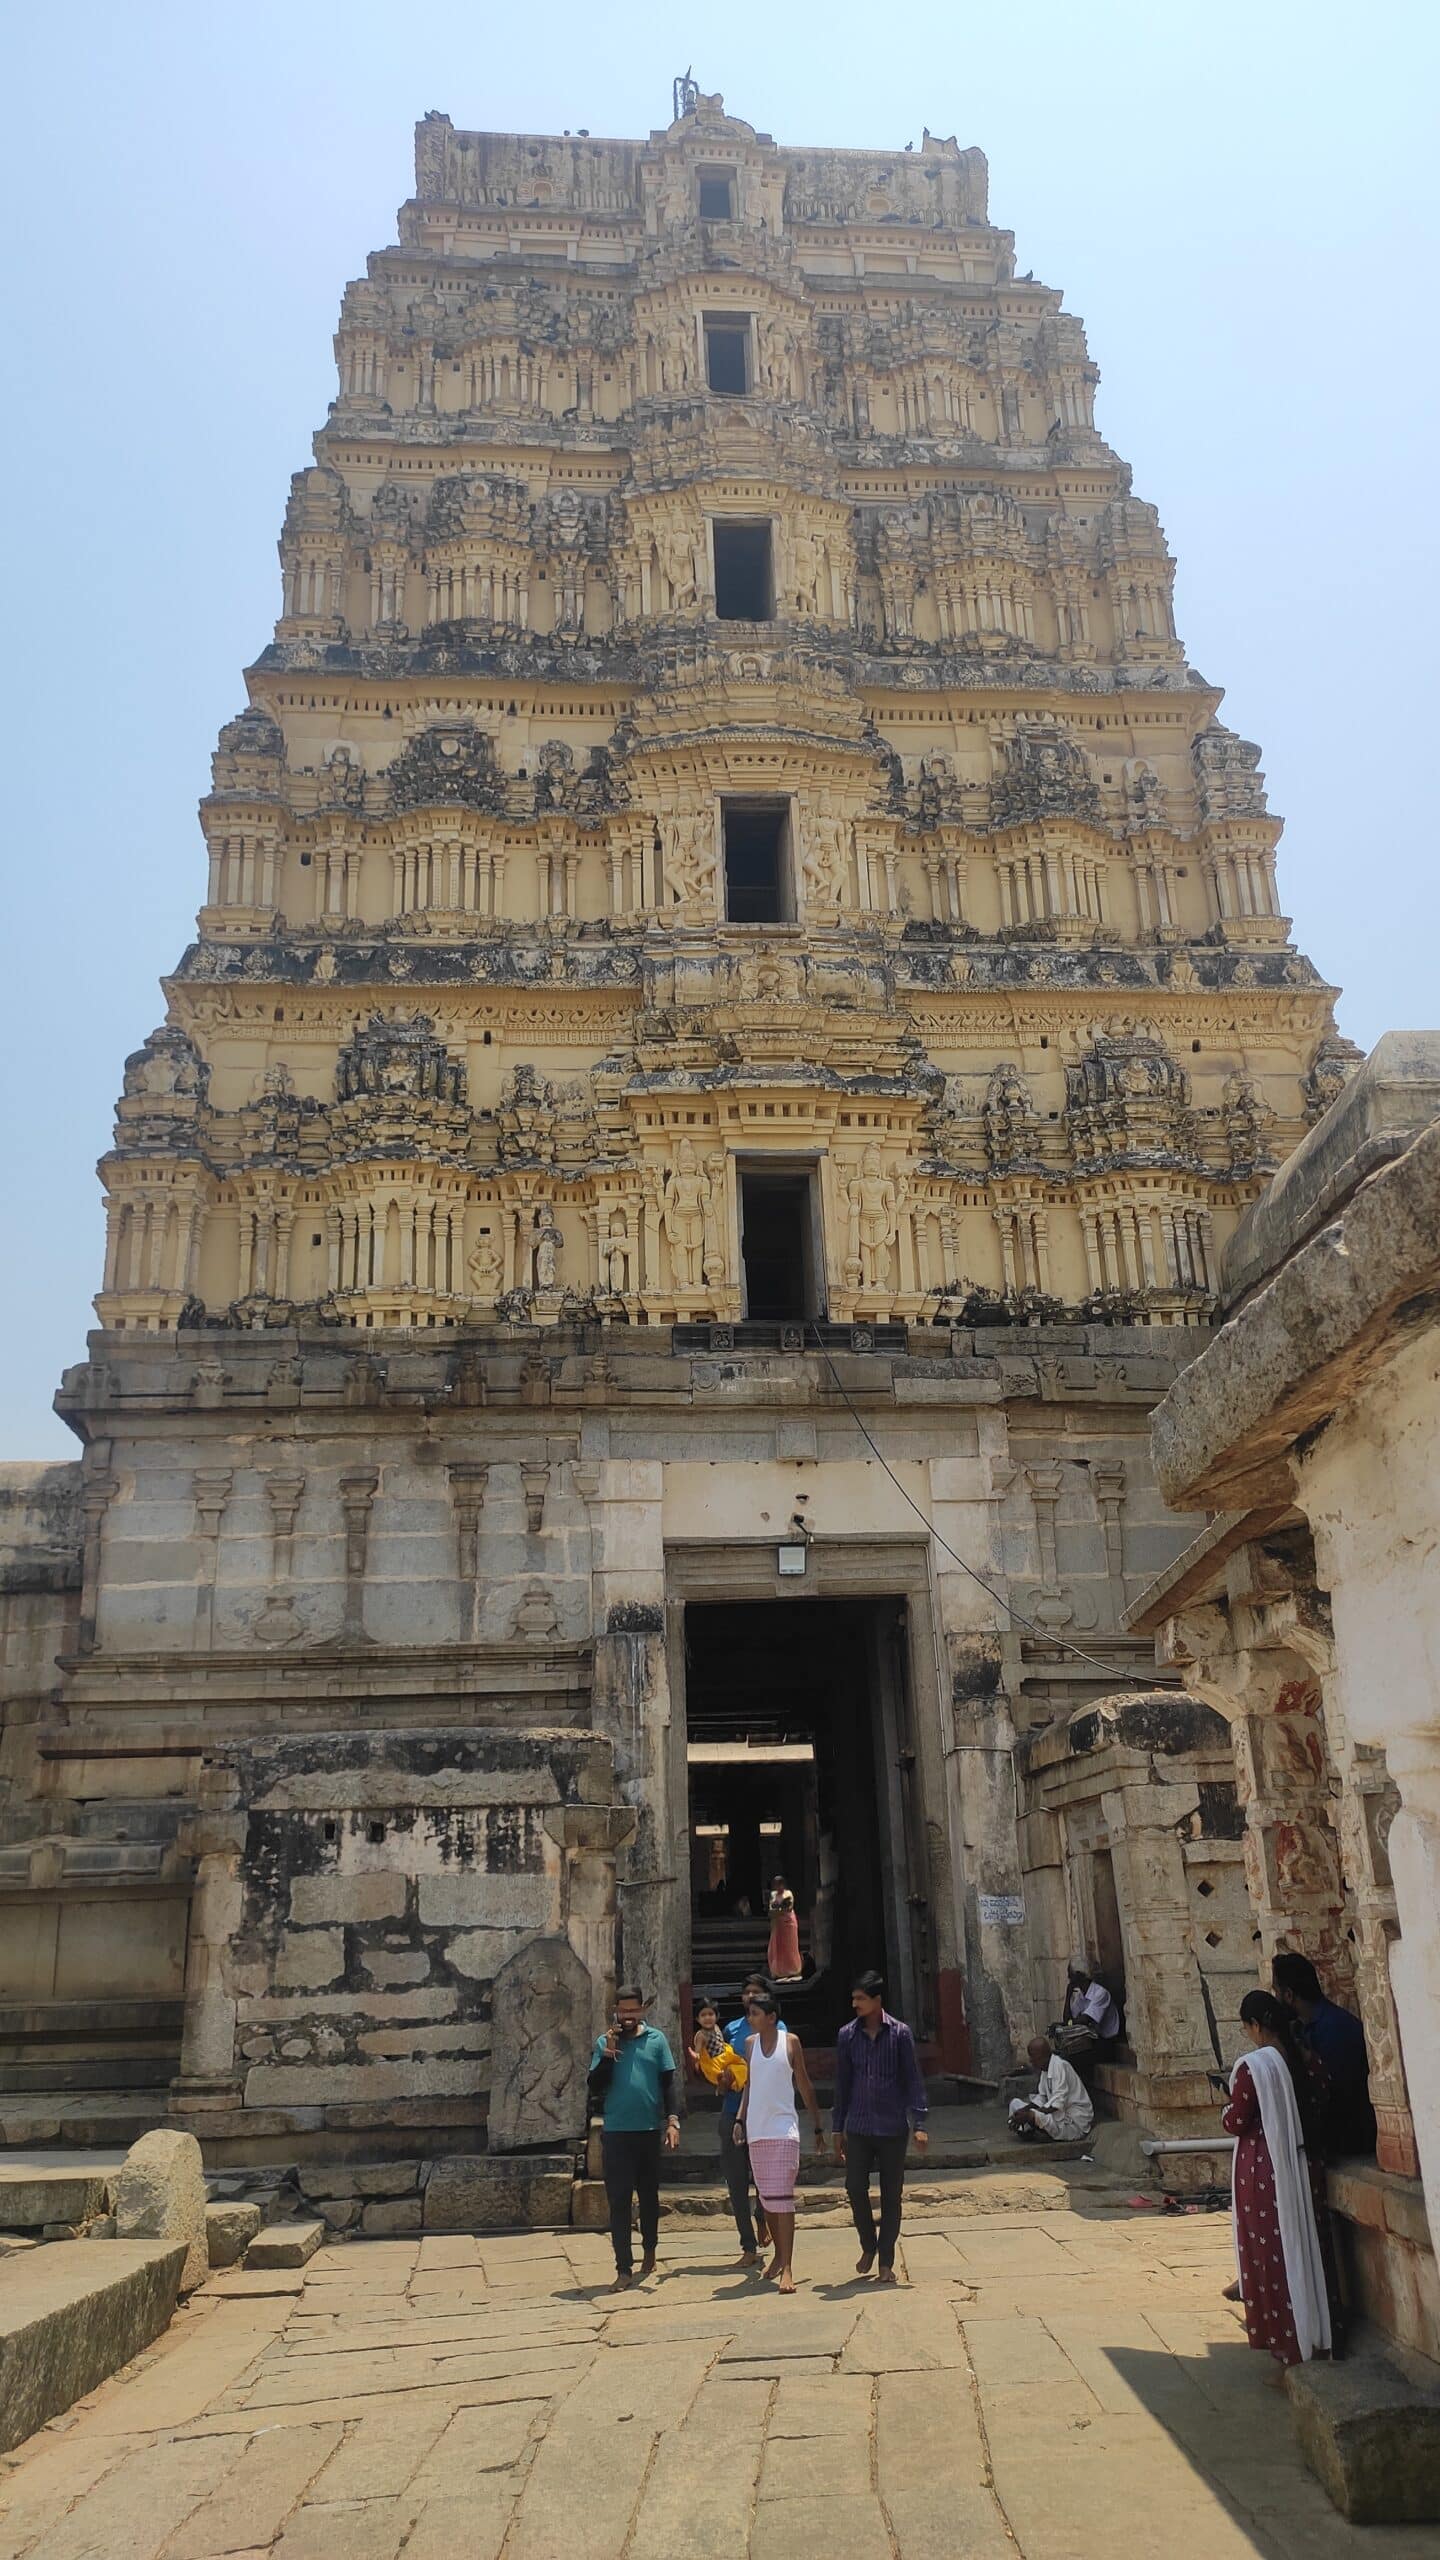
{"x": 212, "y": 1492}
{"x": 1164, "y": 2005}
{"x": 1108, "y": 1485}
{"x": 1369, "y": 1802}
{"x": 467, "y": 1492}
{"x": 283, "y": 1494}
{"x": 357, "y": 1493}
{"x": 97, "y": 1494}
{"x": 209, "y": 2077}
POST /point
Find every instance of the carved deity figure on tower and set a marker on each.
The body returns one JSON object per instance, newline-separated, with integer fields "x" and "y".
{"x": 874, "y": 1201}
{"x": 547, "y": 1247}
{"x": 484, "y": 1269}
{"x": 615, "y": 1256}
{"x": 684, "y": 1201}
{"x": 690, "y": 860}
{"x": 824, "y": 858}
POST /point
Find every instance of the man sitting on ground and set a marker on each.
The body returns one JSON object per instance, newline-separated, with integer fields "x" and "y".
{"x": 1060, "y": 2110}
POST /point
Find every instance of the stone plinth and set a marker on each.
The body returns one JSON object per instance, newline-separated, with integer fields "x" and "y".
{"x": 71, "y": 2316}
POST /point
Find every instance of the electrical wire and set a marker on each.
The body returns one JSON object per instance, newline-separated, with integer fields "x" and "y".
{"x": 1016, "y": 1616}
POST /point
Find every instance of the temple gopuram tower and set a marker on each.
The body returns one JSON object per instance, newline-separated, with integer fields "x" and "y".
{"x": 739, "y": 993}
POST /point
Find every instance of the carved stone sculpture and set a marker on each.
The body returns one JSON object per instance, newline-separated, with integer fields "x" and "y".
{"x": 542, "y": 2006}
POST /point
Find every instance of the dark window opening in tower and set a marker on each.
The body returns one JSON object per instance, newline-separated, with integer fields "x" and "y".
{"x": 757, "y": 861}
{"x": 744, "y": 586}
{"x": 717, "y": 195}
{"x": 777, "y": 1244}
{"x": 727, "y": 352}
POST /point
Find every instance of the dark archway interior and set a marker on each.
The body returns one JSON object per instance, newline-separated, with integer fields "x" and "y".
{"x": 786, "y": 1774}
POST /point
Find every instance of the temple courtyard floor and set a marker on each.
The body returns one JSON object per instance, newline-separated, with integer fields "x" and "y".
{"x": 1055, "y": 2376}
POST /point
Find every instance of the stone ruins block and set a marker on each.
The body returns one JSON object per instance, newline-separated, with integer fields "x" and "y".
{"x": 285, "y": 2244}
{"x": 160, "y": 2195}
{"x": 229, "y": 2230}
{"x": 542, "y": 2004}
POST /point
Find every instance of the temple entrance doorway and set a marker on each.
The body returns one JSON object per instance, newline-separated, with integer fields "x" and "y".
{"x": 799, "y": 1764}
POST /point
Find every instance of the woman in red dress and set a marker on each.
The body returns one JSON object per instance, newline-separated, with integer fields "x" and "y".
{"x": 1276, "y": 2205}
{"x": 782, "y": 1956}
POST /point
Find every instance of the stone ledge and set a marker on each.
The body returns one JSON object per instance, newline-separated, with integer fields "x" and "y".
{"x": 1380, "y": 2200}
{"x": 71, "y": 2317}
{"x": 1278, "y": 1368}
{"x": 30, "y": 2197}
{"x": 482, "y": 2192}
{"x": 284, "y": 2244}
{"x": 1371, "y": 2437}
{"x": 1386, "y": 1103}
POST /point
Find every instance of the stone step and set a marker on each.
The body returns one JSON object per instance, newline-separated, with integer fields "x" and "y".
{"x": 34, "y": 2198}
{"x": 71, "y": 2317}
{"x": 1021, "y": 2186}
{"x": 129, "y": 2073}
{"x": 91, "y": 2120}
{"x": 285, "y": 2244}
{"x": 688, "y": 2170}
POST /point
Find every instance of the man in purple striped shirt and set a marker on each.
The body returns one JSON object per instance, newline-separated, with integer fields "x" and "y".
{"x": 879, "y": 2094}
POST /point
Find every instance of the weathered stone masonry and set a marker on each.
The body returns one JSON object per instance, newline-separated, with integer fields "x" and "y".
{"x": 725, "y": 728}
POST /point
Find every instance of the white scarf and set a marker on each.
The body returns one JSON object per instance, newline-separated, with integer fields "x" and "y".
{"x": 1294, "y": 2205}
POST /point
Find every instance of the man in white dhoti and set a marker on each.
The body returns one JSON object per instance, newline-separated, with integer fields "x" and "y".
{"x": 1060, "y": 2110}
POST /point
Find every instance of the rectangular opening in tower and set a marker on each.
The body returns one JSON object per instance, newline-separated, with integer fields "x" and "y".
{"x": 727, "y": 352}
{"x": 744, "y": 586}
{"x": 777, "y": 1243}
{"x": 717, "y": 195}
{"x": 757, "y": 861}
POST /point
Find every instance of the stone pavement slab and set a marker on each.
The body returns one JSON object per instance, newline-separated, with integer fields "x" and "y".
{"x": 1083, "y": 2390}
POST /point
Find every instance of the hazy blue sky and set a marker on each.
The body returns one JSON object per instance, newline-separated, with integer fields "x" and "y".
{"x": 1240, "y": 201}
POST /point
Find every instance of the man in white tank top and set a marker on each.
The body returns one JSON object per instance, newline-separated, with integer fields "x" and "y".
{"x": 768, "y": 2123}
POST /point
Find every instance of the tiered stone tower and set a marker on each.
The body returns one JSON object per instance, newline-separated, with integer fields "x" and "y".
{"x": 726, "y": 898}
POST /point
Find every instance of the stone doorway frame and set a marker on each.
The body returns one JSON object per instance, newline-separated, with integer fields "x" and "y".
{"x": 913, "y": 1827}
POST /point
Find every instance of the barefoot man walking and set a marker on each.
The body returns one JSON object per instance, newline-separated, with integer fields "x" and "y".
{"x": 879, "y": 2095}
{"x": 768, "y": 2123}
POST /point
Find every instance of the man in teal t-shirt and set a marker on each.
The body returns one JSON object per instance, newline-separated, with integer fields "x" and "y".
{"x": 632, "y": 2079}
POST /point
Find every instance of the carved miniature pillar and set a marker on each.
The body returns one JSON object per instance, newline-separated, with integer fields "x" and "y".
{"x": 212, "y": 1492}
{"x": 282, "y": 1491}
{"x": 97, "y": 1493}
{"x": 1108, "y": 1486}
{"x": 467, "y": 1492}
{"x": 357, "y": 1493}
{"x": 1044, "y": 1483}
{"x": 535, "y": 1481}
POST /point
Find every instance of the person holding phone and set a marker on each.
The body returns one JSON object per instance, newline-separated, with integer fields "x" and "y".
{"x": 632, "y": 2084}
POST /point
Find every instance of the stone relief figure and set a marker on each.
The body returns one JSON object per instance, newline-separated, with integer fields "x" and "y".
{"x": 1012, "y": 1132}
{"x": 615, "y": 1256}
{"x": 167, "y": 1064}
{"x": 526, "y": 1117}
{"x": 484, "y": 1268}
{"x": 541, "y": 2006}
{"x": 546, "y": 1248}
{"x": 535, "y": 1614}
{"x": 769, "y": 978}
{"x": 874, "y": 1199}
{"x": 684, "y": 1200}
{"x": 690, "y": 860}
{"x": 824, "y": 858}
